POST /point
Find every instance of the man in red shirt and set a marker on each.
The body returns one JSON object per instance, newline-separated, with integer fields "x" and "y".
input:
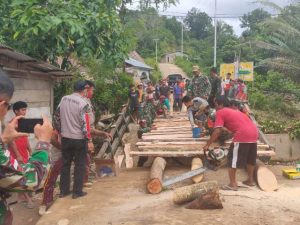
{"x": 243, "y": 150}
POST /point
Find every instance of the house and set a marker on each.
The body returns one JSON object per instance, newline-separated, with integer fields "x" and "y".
{"x": 34, "y": 81}
{"x": 170, "y": 57}
{"x": 139, "y": 70}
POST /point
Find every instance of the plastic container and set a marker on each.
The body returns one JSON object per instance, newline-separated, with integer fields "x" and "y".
{"x": 196, "y": 132}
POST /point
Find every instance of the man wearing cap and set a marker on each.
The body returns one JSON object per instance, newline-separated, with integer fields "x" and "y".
{"x": 72, "y": 122}
{"x": 200, "y": 86}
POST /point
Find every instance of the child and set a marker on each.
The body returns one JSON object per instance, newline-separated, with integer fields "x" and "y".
{"x": 20, "y": 150}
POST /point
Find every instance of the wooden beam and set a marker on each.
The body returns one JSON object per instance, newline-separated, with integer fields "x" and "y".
{"x": 128, "y": 158}
{"x": 168, "y": 139}
{"x": 185, "y": 153}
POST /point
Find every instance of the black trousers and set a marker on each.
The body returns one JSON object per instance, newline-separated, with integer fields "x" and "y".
{"x": 73, "y": 150}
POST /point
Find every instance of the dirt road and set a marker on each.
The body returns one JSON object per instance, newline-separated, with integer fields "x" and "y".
{"x": 123, "y": 200}
{"x": 167, "y": 69}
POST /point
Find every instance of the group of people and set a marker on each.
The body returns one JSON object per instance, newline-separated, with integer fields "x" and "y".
{"x": 21, "y": 172}
{"x": 217, "y": 107}
{"x": 69, "y": 140}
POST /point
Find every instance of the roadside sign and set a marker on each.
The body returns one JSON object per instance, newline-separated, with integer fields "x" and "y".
{"x": 245, "y": 71}
{"x": 227, "y": 68}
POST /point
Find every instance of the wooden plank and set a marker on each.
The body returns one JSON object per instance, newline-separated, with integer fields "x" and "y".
{"x": 168, "y": 139}
{"x": 167, "y": 132}
{"x": 31, "y": 96}
{"x": 167, "y": 153}
{"x": 193, "y": 147}
{"x": 187, "y": 147}
{"x": 176, "y": 142}
{"x": 172, "y": 128}
{"x": 128, "y": 158}
{"x": 168, "y": 135}
{"x": 185, "y": 153}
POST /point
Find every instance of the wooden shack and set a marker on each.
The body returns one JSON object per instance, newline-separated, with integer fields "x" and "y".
{"x": 34, "y": 81}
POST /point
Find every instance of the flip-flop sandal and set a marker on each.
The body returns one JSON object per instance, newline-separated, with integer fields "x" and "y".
{"x": 228, "y": 188}
{"x": 249, "y": 185}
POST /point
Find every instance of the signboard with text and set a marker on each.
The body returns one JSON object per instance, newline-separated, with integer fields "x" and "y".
{"x": 245, "y": 71}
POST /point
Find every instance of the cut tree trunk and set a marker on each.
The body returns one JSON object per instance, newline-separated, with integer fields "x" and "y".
{"x": 264, "y": 177}
{"x": 210, "y": 200}
{"x": 191, "y": 192}
{"x": 197, "y": 163}
{"x": 155, "y": 186}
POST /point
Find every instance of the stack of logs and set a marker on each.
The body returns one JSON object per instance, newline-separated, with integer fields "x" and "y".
{"x": 203, "y": 195}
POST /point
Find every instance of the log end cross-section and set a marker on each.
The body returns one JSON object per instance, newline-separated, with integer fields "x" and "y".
{"x": 154, "y": 186}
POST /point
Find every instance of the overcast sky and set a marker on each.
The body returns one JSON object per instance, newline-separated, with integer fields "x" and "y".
{"x": 225, "y": 7}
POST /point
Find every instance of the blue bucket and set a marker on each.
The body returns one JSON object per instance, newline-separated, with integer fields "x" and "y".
{"x": 196, "y": 132}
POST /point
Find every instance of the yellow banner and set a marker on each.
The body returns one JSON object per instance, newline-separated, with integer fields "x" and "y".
{"x": 246, "y": 71}
{"x": 227, "y": 68}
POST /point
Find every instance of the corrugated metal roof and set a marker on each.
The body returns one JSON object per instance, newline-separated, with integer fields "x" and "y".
{"x": 138, "y": 64}
{"x": 31, "y": 63}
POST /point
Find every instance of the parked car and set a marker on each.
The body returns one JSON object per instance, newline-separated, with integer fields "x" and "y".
{"x": 172, "y": 79}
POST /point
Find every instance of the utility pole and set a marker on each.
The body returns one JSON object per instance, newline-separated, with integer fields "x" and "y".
{"x": 215, "y": 44}
{"x": 156, "y": 40}
{"x": 182, "y": 39}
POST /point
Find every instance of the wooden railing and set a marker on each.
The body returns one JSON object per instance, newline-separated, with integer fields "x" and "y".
{"x": 117, "y": 132}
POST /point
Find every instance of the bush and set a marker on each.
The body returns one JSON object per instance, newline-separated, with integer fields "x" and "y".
{"x": 111, "y": 90}
{"x": 185, "y": 65}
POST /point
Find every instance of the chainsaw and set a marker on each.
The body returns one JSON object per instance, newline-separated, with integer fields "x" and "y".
{"x": 215, "y": 158}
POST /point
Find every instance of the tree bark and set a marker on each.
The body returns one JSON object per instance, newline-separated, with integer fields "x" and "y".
{"x": 154, "y": 186}
{"x": 191, "y": 192}
{"x": 210, "y": 200}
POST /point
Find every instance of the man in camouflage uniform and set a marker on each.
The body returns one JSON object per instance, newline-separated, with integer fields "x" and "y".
{"x": 216, "y": 90}
{"x": 147, "y": 116}
{"x": 200, "y": 86}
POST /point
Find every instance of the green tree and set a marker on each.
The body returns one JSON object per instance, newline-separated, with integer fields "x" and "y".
{"x": 51, "y": 29}
{"x": 145, "y": 4}
{"x": 251, "y": 21}
{"x": 198, "y": 23}
{"x": 282, "y": 35}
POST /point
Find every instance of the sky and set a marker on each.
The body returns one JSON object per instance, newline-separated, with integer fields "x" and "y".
{"x": 233, "y": 8}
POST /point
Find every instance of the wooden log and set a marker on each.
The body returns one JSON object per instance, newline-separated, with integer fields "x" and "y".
{"x": 210, "y": 200}
{"x": 128, "y": 158}
{"x": 265, "y": 178}
{"x": 197, "y": 163}
{"x": 154, "y": 185}
{"x": 184, "y": 153}
{"x": 191, "y": 192}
